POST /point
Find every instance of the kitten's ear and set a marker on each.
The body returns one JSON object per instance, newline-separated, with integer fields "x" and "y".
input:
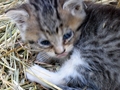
{"x": 61, "y": 2}
{"x": 19, "y": 16}
{"x": 75, "y": 7}
{"x": 72, "y": 13}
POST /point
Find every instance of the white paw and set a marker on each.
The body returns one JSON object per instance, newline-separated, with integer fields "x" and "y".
{"x": 39, "y": 75}
{"x": 33, "y": 72}
{"x": 42, "y": 76}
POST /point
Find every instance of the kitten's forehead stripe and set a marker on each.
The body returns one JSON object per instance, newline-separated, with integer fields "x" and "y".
{"x": 47, "y": 14}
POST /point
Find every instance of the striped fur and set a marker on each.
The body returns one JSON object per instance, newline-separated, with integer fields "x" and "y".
{"x": 93, "y": 56}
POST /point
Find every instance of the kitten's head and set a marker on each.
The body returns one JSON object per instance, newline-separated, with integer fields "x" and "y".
{"x": 49, "y": 25}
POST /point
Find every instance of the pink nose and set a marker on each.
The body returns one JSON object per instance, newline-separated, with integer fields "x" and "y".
{"x": 60, "y": 52}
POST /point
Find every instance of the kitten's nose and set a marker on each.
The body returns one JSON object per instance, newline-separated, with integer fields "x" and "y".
{"x": 59, "y": 50}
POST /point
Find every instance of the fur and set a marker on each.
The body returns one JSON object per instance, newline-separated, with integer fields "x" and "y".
{"x": 93, "y": 49}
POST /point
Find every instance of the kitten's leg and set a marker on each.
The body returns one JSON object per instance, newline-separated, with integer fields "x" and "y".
{"x": 58, "y": 78}
{"x": 67, "y": 72}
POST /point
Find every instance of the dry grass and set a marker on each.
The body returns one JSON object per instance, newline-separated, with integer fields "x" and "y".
{"x": 14, "y": 56}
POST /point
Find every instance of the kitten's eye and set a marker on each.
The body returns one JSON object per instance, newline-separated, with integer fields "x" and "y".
{"x": 67, "y": 35}
{"x": 31, "y": 42}
{"x": 45, "y": 42}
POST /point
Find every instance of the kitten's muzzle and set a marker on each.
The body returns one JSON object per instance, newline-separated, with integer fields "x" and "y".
{"x": 60, "y": 53}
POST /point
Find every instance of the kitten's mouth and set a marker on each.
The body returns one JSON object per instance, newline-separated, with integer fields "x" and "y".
{"x": 62, "y": 55}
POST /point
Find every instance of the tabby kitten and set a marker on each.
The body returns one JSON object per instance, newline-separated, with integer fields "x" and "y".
{"x": 86, "y": 36}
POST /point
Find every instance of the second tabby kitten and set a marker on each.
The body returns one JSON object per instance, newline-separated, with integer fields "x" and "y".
{"x": 85, "y": 35}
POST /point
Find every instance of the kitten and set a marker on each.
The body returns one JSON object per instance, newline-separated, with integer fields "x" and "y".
{"x": 44, "y": 24}
{"x": 84, "y": 35}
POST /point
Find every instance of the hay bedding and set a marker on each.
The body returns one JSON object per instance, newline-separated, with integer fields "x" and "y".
{"x": 15, "y": 55}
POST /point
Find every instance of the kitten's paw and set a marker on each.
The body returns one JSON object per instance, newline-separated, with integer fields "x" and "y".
{"x": 32, "y": 73}
{"x": 41, "y": 75}
{"x": 37, "y": 74}
{"x": 43, "y": 57}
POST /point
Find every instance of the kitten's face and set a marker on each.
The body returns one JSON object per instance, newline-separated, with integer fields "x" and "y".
{"x": 56, "y": 42}
{"x": 50, "y": 30}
